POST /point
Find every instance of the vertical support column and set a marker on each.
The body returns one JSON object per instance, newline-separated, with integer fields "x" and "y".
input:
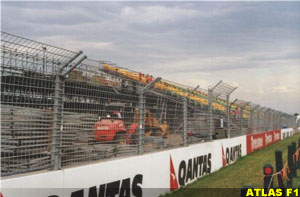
{"x": 272, "y": 120}
{"x": 265, "y": 124}
{"x": 210, "y": 118}
{"x": 56, "y": 124}
{"x": 242, "y": 123}
{"x": 266, "y": 120}
{"x": 3, "y": 56}
{"x": 241, "y": 119}
{"x": 279, "y": 121}
{"x": 142, "y": 104}
{"x": 263, "y": 121}
{"x": 44, "y": 58}
{"x": 250, "y": 127}
{"x": 142, "y": 101}
{"x": 276, "y": 121}
{"x": 228, "y": 116}
{"x": 258, "y": 122}
{"x": 185, "y": 122}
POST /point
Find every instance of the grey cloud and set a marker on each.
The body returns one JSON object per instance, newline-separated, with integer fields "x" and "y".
{"x": 172, "y": 39}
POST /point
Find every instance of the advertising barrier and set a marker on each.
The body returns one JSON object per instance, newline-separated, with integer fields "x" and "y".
{"x": 258, "y": 141}
{"x": 202, "y": 159}
{"x": 135, "y": 176}
{"x": 255, "y": 142}
{"x": 285, "y": 133}
{"x": 233, "y": 149}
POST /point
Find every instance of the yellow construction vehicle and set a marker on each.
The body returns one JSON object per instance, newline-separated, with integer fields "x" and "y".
{"x": 152, "y": 125}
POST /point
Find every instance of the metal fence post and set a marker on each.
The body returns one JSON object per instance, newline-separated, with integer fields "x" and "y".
{"x": 220, "y": 89}
{"x": 142, "y": 101}
{"x": 250, "y": 127}
{"x": 269, "y": 119}
{"x": 228, "y": 116}
{"x": 262, "y": 122}
{"x": 242, "y": 107}
{"x": 252, "y": 120}
{"x": 258, "y": 121}
{"x": 279, "y": 121}
{"x": 241, "y": 119}
{"x": 276, "y": 120}
{"x": 57, "y": 109}
{"x": 210, "y": 116}
{"x": 185, "y": 122}
{"x": 272, "y": 120}
{"x": 142, "y": 105}
{"x": 265, "y": 121}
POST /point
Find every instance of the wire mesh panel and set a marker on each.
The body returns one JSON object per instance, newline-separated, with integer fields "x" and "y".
{"x": 241, "y": 116}
{"x": 163, "y": 121}
{"x": 198, "y": 123}
{"x": 27, "y": 91}
{"x": 98, "y": 112}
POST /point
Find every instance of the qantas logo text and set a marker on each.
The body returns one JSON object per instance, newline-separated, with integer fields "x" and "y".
{"x": 231, "y": 154}
{"x": 189, "y": 170}
{"x": 126, "y": 187}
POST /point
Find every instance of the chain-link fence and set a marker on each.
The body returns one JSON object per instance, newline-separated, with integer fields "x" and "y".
{"x": 60, "y": 109}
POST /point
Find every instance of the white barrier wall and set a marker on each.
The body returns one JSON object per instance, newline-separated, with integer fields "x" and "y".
{"x": 202, "y": 159}
{"x": 41, "y": 184}
{"x": 167, "y": 170}
{"x": 286, "y": 133}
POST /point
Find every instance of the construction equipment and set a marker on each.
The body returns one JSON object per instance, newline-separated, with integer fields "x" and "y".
{"x": 152, "y": 125}
{"x": 111, "y": 128}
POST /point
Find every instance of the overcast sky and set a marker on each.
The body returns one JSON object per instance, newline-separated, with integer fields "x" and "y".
{"x": 252, "y": 45}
